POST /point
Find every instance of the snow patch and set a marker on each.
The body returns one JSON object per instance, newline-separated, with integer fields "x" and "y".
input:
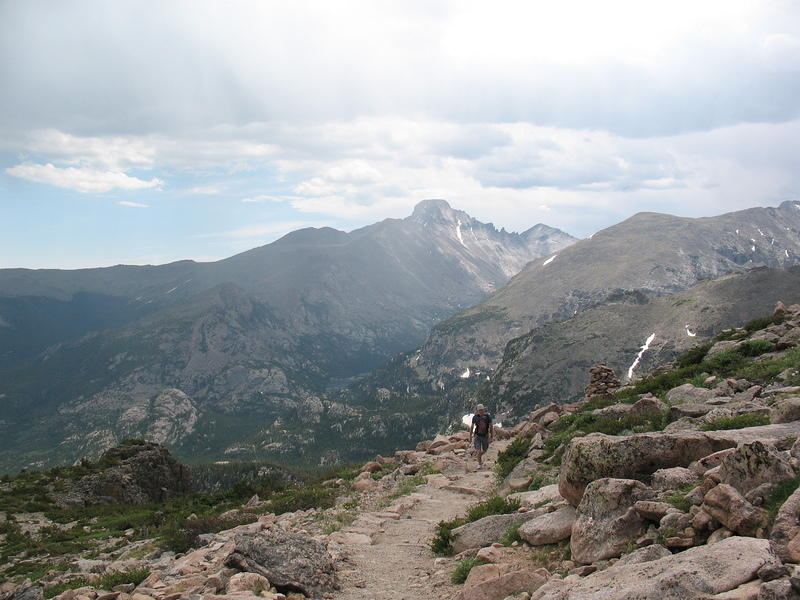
{"x": 689, "y": 332}
{"x": 787, "y": 253}
{"x": 466, "y": 374}
{"x": 549, "y": 260}
{"x": 467, "y": 420}
{"x": 737, "y": 232}
{"x": 753, "y": 248}
{"x": 644, "y": 349}
{"x": 458, "y": 233}
{"x": 759, "y": 231}
{"x": 172, "y": 290}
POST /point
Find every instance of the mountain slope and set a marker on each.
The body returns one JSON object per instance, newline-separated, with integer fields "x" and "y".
{"x": 549, "y": 364}
{"x": 651, "y": 253}
{"x": 227, "y": 349}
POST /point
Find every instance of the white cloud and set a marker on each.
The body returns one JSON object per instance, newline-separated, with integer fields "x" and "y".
{"x": 80, "y": 179}
{"x": 132, "y": 204}
{"x": 265, "y": 198}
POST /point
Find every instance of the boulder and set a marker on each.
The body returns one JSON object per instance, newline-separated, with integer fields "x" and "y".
{"x": 647, "y": 407}
{"x": 498, "y": 588}
{"x": 548, "y": 493}
{"x": 25, "y": 592}
{"x": 690, "y": 574}
{"x": 643, "y": 555}
{"x": 687, "y": 393}
{"x": 487, "y": 530}
{"x": 787, "y": 528}
{"x": 247, "y": 582}
{"x": 753, "y": 464}
{"x": 723, "y": 346}
{"x": 549, "y": 528}
{"x": 634, "y": 456}
{"x": 728, "y": 506}
{"x": 607, "y": 522}
{"x": 372, "y": 466}
{"x": 653, "y": 511}
{"x": 674, "y": 478}
{"x": 785, "y": 411}
{"x": 779, "y": 589}
{"x": 638, "y": 456}
{"x": 290, "y": 561}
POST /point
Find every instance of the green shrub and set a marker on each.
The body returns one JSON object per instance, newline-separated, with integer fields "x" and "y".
{"x": 182, "y": 535}
{"x": 779, "y": 495}
{"x": 72, "y": 584}
{"x": 509, "y": 458}
{"x": 493, "y": 506}
{"x": 679, "y": 501}
{"x": 763, "y": 323}
{"x": 694, "y": 356}
{"x": 511, "y": 534}
{"x": 737, "y": 422}
{"x": 108, "y": 581}
{"x": 302, "y": 498}
{"x": 463, "y": 568}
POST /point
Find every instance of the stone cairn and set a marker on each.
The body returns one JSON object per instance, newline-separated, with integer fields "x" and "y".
{"x": 602, "y": 382}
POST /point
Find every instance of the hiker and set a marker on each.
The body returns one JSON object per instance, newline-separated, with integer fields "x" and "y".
{"x": 481, "y": 432}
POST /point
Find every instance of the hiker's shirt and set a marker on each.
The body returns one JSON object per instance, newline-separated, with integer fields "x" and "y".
{"x": 482, "y": 424}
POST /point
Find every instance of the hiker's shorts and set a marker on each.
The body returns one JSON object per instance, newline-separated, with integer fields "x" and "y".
{"x": 481, "y": 443}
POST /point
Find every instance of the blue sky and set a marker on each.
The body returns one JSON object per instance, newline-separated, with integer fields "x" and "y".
{"x": 145, "y": 132}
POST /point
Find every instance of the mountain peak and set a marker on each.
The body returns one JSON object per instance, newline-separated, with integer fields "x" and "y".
{"x": 433, "y": 210}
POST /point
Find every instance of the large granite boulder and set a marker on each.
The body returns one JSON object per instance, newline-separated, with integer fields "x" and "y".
{"x": 690, "y": 574}
{"x": 607, "y": 521}
{"x": 549, "y": 528}
{"x": 724, "y": 503}
{"x": 291, "y": 562}
{"x": 753, "y": 464}
{"x": 487, "y": 530}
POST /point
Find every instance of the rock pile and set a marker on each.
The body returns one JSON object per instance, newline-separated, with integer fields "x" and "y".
{"x": 602, "y": 382}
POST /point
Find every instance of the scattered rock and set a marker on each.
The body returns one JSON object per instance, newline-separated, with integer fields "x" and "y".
{"x": 728, "y": 506}
{"x": 607, "y": 522}
{"x": 752, "y": 464}
{"x": 549, "y": 528}
{"x": 498, "y": 588}
{"x": 690, "y": 574}
{"x": 486, "y": 530}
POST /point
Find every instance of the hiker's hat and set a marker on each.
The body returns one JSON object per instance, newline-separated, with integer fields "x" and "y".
{"x": 480, "y": 407}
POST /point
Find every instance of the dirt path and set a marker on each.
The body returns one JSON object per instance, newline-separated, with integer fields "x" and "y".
{"x": 399, "y": 564}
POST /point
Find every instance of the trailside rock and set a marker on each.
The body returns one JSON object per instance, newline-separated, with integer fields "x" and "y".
{"x": 498, "y": 588}
{"x": 728, "y": 506}
{"x": 25, "y": 592}
{"x": 787, "y": 528}
{"x": 643, "y": 555}
{"x": 549, "y": 528}
{"x": 487, "y": 530}
{"x": 752, "y": 464}
{"x": 289, "y": 561}
{"x": 690, "y": 574}
{"x": 598, "y": 455}
{"x": 687, "y": 393}
{"x": 547, "y": 493}
{"x": 607, "y": 521}
{"x": 785, "y": 411}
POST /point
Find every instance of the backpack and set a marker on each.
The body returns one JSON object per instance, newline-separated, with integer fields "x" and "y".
{"x": 482, "y": 423}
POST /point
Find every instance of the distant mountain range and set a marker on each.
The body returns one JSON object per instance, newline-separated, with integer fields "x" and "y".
{"x": 652, "y": 254}
{"x": 203, "y": 356}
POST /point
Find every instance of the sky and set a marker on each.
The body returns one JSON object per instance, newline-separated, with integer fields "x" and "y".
{"x": 142, "y": 132}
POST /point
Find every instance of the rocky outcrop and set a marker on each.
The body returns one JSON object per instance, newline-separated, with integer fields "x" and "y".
{"x": 136, "y": 472}
{"x": 639, "y": 456}
{"x": 690, "y": 574}
{"x": 598, "y": 455}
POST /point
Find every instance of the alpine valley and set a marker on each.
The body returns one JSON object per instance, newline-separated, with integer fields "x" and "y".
{"x": 235, "y": 357}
